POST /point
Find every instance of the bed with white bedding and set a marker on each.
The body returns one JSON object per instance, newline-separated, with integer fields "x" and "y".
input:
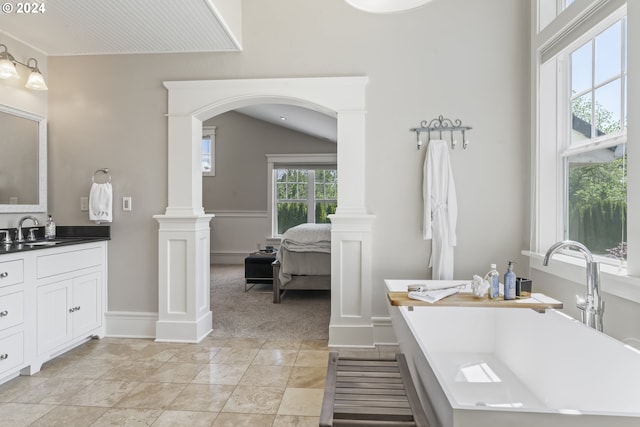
{"x": 304, "y": 260}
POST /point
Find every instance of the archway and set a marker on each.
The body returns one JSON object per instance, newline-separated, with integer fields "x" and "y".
{"x": 184, "y": 312}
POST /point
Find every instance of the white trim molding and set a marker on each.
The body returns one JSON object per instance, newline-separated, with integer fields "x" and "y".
{"x": 191, "y": 102}
{"x": 184, "y": 313}
{"x": 130, "y": 324}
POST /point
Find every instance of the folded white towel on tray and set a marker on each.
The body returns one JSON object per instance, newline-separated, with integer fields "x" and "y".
{"x": 101, "y": 202}
{"x": 432, "y": 296}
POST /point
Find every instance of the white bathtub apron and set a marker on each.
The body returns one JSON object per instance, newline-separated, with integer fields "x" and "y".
{"x": 440, "y": 209}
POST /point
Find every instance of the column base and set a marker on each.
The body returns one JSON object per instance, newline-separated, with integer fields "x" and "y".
{"x": 184, "y": 331}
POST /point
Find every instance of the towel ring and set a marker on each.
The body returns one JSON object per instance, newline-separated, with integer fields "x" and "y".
{"x": 103, "y": 170}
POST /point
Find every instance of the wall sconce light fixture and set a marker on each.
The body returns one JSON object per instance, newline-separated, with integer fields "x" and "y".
{"x": 8, "y": 70}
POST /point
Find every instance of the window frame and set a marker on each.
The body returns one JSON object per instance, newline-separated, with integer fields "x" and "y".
{"x": 546, "y": 222}
{"x": 569, "y": 148}
{"x": 292, "y": 161}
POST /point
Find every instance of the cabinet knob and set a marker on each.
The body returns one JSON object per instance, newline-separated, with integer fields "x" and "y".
{"x": 4, "y": 356}
{"x": 4, "y": 313}
{"x": 77, "y": 308}
{"x": 71, "y": 310}
{"x": 4, "y": 274}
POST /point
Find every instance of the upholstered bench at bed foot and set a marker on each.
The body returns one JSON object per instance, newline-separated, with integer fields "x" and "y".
{"x": 257, "y": 269}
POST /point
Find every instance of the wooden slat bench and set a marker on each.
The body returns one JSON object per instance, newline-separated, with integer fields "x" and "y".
{"x": 370, "y": 392}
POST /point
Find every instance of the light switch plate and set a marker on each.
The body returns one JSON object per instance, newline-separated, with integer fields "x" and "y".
{"x": 84, "y": 204}
{"x": 126, "y": 203}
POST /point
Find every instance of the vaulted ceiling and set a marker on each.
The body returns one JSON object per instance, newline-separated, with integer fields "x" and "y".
{"x": 99, "y": 27}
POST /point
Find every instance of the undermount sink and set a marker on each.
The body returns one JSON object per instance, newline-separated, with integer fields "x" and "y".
{"x": 48, "y": 242}
{"x": 42, "y": 243}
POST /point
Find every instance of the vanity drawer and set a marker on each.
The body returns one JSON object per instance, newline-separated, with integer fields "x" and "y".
{"x": 11, "y": 352}
{"x": 11, "y": 272}
{"x": 11, "y": 310}
{"x": 65, "y": 262}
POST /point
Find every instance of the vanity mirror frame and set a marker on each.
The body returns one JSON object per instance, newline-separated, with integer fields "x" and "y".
{"x": 41, "y": 206}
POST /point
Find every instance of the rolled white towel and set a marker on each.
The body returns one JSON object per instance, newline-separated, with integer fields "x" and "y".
{"x": 101, "y": 202}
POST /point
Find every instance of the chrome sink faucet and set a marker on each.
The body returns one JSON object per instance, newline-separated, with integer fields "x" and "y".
{"x": 19, "y": 235}
{"x": 592, "y": 306}
{"x": 7, "y": 237}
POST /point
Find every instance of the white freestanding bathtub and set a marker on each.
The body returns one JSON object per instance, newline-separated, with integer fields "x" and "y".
{"x": 499, "y": 367}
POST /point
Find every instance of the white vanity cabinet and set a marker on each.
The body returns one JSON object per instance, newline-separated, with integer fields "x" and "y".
{"x": 67, "y": 310}
{"x": 70, "y": 297}
{"x": 12, "y": 311}
{"x": 51, "y": 300}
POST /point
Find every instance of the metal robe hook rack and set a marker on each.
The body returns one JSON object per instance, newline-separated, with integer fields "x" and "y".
{"x": 440, "y": 125}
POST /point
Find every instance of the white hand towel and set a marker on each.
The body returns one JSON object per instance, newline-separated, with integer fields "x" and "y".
{"x": 100, "y": 202}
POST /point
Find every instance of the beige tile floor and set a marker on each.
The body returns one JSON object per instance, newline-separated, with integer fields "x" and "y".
{"x": 135, "y": 382}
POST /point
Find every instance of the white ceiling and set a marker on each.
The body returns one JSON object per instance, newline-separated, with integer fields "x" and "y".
{"x": 303, "y": 120}
{"x": 97, "y": 27}
{"x": 103, "y": 27}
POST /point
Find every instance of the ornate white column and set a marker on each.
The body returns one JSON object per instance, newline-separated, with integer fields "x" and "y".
{"x": 184, "y": 313}
{"x": 351, "y": 321}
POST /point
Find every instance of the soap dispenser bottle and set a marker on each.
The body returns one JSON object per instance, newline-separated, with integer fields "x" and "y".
{"x": 50, "y": 229}
{"x": 493, "y": 277}
{"x": 510, "y": 283}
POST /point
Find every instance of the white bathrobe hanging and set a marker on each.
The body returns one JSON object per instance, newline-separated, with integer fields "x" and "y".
{"x": 440, "y": 209}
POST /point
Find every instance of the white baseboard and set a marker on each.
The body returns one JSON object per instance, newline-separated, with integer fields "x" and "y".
{"x": 126, "y": 324}
{"x": 228, "y": 257}
{"x": 129, "y": 324}
{"x": 380, "y": 332}
{"x": 351, "y": 336}
{"x": 383, "y": 333}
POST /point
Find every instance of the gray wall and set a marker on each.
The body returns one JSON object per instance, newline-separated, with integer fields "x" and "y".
{"x": 241, "y": 166}
{"x": 108, "y": 111}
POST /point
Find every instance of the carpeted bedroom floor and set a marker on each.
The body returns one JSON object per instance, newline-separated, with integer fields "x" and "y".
{"x": 252, "y": 314}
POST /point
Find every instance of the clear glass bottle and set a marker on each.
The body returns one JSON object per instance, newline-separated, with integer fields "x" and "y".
{"x": 50, "y": 229}
{"x": 493, "y": 277}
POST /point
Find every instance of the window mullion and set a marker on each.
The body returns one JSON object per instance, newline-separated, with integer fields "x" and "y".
{"x": 311, "y": 194}
{"x": 597, "y": 144}
{"x": 593, "y": 90}
{"x": 623, "y": 69}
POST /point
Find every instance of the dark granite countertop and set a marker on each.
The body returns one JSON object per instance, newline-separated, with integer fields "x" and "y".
{"x": 65, "y": 236}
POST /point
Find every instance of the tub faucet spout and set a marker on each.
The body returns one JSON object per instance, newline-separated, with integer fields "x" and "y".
{"x": 592, "y": 307}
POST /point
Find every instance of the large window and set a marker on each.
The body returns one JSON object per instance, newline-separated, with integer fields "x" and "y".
{"x": 594, "y": 153}
{"x": 585, "y": 181}
{"x": 303, "y": 188}
{"x": 304, "y": 195}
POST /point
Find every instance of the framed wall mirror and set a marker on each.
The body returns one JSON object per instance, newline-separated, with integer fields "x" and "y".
{"x": 23, "y": 161}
